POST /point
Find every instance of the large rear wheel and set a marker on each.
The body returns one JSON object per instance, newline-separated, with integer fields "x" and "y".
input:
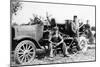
{"x": 25, "y": 52}
{"x": 83, "y": 44}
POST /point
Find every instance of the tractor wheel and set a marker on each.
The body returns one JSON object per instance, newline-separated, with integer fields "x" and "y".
{"x": 83, "y": 44}
{"x": 73, "y": 47}
{"x": 25, "y": 52}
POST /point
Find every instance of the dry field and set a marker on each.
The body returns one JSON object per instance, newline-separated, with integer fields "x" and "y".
{"x": 89, "y": 55}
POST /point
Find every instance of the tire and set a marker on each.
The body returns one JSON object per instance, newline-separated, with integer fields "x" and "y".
{"x": 83, "y": 44}
{"x": 73, "y": 47}
{"x": 25, "y": 52}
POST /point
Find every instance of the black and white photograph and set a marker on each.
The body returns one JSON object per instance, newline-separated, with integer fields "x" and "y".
{"x": 44, "y": 33}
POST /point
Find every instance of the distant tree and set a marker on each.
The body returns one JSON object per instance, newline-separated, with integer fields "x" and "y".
{"x": 15, "y": 6}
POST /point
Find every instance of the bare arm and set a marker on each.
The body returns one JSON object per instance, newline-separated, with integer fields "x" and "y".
{"x": 48, "y": 19}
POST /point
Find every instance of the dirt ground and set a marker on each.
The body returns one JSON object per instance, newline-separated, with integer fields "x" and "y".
{"x": 89, "y": 55}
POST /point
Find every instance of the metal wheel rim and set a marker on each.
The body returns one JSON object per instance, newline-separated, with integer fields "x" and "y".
{"x": 82, "y": 44}
{"x": 25, "y": 52}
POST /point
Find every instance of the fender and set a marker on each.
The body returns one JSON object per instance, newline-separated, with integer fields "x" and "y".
{"x": 20, "y": 38}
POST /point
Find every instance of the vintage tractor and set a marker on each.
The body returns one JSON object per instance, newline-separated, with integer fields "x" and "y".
{"x": 31, "y": 39}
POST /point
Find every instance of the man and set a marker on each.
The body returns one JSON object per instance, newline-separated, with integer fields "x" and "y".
{"x": 75, "y": 29}
{"x": 75, "y": 26}
{"x": 55, "y": 38}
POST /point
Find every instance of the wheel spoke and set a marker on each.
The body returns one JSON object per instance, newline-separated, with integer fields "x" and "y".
{"x": 29, "y": 47}
{"x": 22, "y": 58}
{"x": 20, "y": 53}
{"x": 30, "y": 52}
{"x": 23, "y": 47}
{"x": 29, "y": 55}
{"x": 26, "y": 46}
{"x": 25, "y": 58}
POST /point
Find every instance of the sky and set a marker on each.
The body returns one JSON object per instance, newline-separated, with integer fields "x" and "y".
{"x": 58, "y": 11}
